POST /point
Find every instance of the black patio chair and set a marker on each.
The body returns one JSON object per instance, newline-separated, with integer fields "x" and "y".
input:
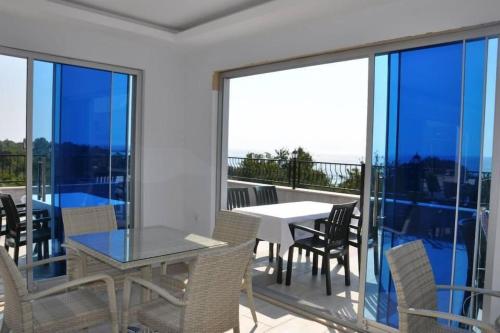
{"x": 237, "y": 197}
{"x": 15, "y": 233}
{"x": 332, "y": 243}
{"x": 266, "y": 195}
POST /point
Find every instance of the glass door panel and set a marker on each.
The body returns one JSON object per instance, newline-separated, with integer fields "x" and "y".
{"x": 81, "y": 128}
{"x": 429, "y": 167}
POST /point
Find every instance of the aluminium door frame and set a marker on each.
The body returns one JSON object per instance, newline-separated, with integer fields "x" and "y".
{"x": 136, "y": 132}
{"x": 356, "y": 52}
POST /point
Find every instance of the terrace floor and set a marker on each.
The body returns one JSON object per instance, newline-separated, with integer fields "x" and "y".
{"x": 306, "y": 291}
{"x": 271, "y": 318}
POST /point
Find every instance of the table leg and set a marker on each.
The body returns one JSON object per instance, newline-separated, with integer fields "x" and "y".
{"x": 147, "y": 274}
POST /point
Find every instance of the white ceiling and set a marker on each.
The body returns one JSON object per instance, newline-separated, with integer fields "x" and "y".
{"x": 174, "y": 15}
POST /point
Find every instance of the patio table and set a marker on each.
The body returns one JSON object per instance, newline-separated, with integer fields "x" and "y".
{"x": 276, "y": 218}
{"x": 141, "y": 248}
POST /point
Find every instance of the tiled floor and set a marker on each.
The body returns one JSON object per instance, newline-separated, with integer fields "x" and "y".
{"x": 306, "y": 291}
{"x": 271, "y": 318}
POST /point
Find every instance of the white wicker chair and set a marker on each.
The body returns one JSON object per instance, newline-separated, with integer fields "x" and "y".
{"x": 86, "y": 220}
{"x": 233, "y": 228}
{"x": 416, "y": 291}
{"x": 211, "y": 301}
{"x": 55, "y": 309}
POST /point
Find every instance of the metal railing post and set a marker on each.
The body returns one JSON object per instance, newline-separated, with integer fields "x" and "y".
{"x": 294, "y": 172}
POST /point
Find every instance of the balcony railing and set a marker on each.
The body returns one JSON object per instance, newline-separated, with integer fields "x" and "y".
{"x": 12, "y": 169}
{"x": 326, "y": 176}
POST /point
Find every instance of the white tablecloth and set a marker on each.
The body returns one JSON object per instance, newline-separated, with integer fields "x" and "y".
{"x": 276, "y": 218}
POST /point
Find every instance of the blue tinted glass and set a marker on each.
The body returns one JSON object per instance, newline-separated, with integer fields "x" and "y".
{"x": 119, "y": 145}
{"x": 419, "y": 179}
{"x": 473, "y": 97}
{"x": 380, "y": 105}
{"x": 81, "y": 131}
{"x": 82, "y": 161}
{"x": 380, "y": 109}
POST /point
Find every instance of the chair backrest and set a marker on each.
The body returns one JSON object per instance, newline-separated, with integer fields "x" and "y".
{"x": 235, "y": 228}
{"x": 237, "y": 197}
{"x": 213, "y": 291}
{"x": 14, "y": 289}
{"x": 11, "y": 214}
{"x": 265, "y": 195}
{"x": 88, "y": 219}
{"x": 337, "y": 227}
{"x": 415, "y": 285}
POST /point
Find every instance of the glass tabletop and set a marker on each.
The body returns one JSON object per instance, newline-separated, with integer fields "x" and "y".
{"x": 126, "y": 245}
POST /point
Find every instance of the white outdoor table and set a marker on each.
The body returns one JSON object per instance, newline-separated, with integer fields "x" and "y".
{"x": 275, "y": 220}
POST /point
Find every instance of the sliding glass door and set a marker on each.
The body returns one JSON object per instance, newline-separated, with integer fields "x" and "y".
{"x": 81, "y": 144}
{"x": 431, "y": 167}
{"x": 67, "y": 140}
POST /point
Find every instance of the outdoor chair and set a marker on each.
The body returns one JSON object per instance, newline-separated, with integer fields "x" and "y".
{"x": 63, "y": 308}
{"x": 232, "y": 228}
{"x": 333, "y": 242}
{"x": 237, "y": 198}
{"x": 211, "y": 300}
{"x": 15, "y": 231}
{"x": 417, "y": 293}
{"x": 266, "y": 195}
{"x": 86, "y": 220}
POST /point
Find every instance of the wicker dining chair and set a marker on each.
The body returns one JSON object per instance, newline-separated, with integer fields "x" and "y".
{"x": 55, "y": 309}
{"x": 86, "y": 220}
{"x": 417, "y": 293}
{"x": 230, "y": 227}
{"x": 211, "y": 301}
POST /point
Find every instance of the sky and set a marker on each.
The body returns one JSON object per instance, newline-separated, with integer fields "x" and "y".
{"x": 320, "y": 108}
{"x": 13, "y": 98}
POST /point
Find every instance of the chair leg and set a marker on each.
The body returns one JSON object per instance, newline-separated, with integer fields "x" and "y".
{"x": 271, "y": 252}
{"x": 251, "y": 303}
{"x": 326, "y": 263}
{"x": 323, "y": 265}
{"x": 359, "y": 257}
{"x": 347, "y": 271}
{"x": 278, "y": 249}
{"x": 308, "y": 253}
{"x": 256, "y": 245}
{"x": 38, "y": 248}
{"x": 46, "y": 249}
{"x": 5, "y": 328}
{"x": 289, "y": 266}
{"x": 315, "y": 264}
{"x": 300, "y": 251}
{"x": 279, "y": 278}
{"x": 339, "y": 261}
{"x": 16, "y": 254}
{"x": 375, "y": 259}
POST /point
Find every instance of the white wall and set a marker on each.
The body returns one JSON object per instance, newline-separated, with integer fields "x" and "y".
{"x": 339, "y": 27}
{"x": 376, "y": 21}
{"x": 163, "y": 194}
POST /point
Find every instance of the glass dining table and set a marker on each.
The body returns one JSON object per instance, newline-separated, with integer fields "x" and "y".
{"x": 142, "y": 248}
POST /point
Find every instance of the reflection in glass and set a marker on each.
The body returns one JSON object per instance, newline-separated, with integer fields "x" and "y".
{"x": 430, "y": 166}
{"x": 81, "y": 124}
